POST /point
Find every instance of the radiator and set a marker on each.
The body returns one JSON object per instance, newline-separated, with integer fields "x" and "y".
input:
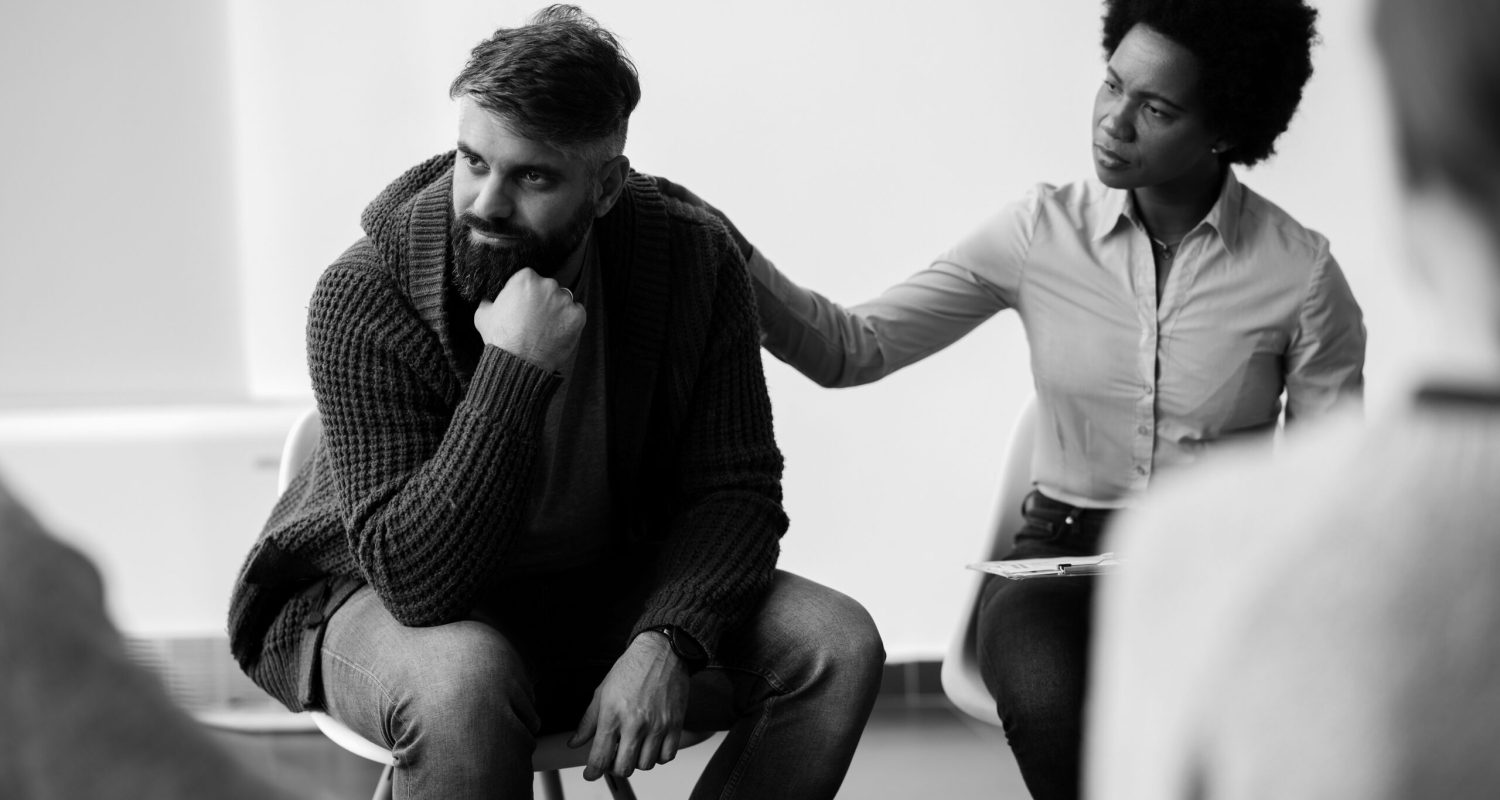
{"x": 165, "y": 500}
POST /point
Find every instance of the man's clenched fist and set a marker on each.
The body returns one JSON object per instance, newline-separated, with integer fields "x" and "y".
{"x": 533, "y": 318}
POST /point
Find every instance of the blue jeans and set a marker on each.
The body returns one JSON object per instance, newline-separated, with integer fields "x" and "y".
{"x": 1034, "y": 648}
{"x": 460, "y": 705}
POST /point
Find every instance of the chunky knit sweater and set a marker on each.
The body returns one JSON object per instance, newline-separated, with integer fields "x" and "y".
{"x": 421, "y": 480}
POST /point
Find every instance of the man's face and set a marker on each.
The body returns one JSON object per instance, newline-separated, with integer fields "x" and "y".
{"x": 1148, "y": 129}
{"x": 516, "y": 203}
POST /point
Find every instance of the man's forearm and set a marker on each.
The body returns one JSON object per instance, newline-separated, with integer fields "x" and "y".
{"x": 430, "y": 498}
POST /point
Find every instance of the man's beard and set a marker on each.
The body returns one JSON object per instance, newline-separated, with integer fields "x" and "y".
{"x": 480, "y": 271}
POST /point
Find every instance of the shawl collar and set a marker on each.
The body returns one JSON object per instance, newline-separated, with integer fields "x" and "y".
{"x": 636, "y": 262}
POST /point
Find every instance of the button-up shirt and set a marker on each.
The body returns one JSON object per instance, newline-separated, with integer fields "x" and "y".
{"x": 1254, "y": 305}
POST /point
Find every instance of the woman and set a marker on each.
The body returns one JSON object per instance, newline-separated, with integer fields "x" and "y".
{"x": 1166, "y": 305}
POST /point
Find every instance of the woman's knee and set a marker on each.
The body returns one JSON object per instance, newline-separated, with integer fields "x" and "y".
{"x": 1033, "y": 656}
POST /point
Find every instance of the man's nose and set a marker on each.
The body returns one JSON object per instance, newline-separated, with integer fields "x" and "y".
{"x": 493, "y": 200}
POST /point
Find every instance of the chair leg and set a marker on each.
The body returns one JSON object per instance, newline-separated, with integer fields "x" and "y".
{"x": 552, "y": 785}
{"x": 619, "y": 788}
{"x": 383, "y": 786}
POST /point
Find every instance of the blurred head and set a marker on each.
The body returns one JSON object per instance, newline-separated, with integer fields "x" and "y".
{"x": 543, "y": 114}
{"x": 1194, "y": 84}
{"x": 1443, "y": 72}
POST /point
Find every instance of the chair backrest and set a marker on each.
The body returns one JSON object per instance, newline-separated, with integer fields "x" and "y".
{"x": 961, "y": 679}
{"x": 298, "y": 447}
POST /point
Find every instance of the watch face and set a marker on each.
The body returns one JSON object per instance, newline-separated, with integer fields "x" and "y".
{"x": 688, "y": 647}
{"x": 684, "y": 645}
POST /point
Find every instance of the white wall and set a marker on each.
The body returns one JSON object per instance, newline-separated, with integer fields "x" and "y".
{"x": 850, "y": 141}
{"x": 117, "y": 225}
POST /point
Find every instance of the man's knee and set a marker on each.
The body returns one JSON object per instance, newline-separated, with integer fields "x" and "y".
{"x": 835, "y": 632}
{"x": 854, "y": 640}
{"x": 474, "y": 681}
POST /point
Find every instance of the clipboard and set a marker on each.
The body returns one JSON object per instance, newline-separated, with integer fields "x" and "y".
{"x": 1066, "y": 567}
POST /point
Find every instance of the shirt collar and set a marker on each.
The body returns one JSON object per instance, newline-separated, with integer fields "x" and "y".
{"x": 1224, "y": 217}
{"x": 1115, "y": 207}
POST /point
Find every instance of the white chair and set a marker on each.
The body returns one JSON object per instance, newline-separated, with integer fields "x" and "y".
{"x": 961, "y": 679}
{"x": 552, "y": 752}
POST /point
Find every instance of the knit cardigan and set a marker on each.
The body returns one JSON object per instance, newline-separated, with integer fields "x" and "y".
{"x": 421, "y": 480}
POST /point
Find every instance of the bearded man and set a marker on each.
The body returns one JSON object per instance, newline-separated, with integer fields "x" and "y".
{"x": 548, "y": 495}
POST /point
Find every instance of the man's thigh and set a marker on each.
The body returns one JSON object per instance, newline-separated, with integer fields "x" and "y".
{"x": 379, "y": 677}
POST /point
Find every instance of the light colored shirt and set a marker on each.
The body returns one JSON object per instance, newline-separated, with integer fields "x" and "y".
{"x": 1253, "y": 305}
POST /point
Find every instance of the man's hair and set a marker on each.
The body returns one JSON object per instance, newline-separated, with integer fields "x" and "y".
{"x": 1256, "y": 56}
{"x": 561, "y": 79}
{"x": 1444, "y": 74}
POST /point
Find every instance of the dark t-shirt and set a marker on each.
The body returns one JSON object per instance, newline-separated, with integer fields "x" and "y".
{"x": 570, "y": 522}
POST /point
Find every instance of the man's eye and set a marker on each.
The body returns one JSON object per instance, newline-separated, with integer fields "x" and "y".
{"x": 1114, "y": 88}
{"x": 532, "y": 176}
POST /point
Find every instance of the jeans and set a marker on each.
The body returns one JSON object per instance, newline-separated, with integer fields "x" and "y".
{"x": 460, "y": 705}
{"x": 1034, "y": 648}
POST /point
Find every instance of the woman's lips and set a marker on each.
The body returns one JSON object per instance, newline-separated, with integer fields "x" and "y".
{"x": 1108, "y": 158}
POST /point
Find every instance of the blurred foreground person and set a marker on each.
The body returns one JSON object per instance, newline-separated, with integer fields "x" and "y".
{"x": 81, "y": 720}
{"x": 1327, "y": 625}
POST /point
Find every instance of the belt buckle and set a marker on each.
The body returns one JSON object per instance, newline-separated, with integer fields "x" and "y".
{"x": 1071, "y": 522}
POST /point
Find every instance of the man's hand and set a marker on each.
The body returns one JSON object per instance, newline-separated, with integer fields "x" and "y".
{"x": 532, "y": 318}
{"x": 636, "y": 716}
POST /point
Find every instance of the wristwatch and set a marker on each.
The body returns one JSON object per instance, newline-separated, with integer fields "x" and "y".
{"x": 693, "y": 656}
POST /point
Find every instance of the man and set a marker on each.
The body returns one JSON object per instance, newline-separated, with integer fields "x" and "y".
{"x": 1334, "y": 632}
{"x": 82, "y": 720}
{"x": 548, "y": 494}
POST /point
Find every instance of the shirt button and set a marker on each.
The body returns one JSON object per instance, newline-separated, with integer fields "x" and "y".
{"x": 1150, "y": 389}
{"x": 1140, "y": 470}
{"x": 1143, "y": 430}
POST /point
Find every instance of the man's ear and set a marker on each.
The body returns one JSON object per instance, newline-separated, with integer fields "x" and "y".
{"x": 609, "y": 182}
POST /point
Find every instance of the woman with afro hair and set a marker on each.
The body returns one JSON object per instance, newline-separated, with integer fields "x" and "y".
{"x": 1167, "y": 306}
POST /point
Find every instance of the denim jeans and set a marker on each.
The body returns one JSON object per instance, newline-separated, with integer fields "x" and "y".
{"x": 1034, "y": 648}
{"x": 460, "y": 705}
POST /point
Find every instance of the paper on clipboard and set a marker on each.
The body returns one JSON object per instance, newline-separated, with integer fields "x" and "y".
{"x": 1067, "y": 567}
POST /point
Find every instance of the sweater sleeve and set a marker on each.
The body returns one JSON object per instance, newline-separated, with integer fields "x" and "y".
{"x": 430, "y": 498}
{"x": 724, "y": 539}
